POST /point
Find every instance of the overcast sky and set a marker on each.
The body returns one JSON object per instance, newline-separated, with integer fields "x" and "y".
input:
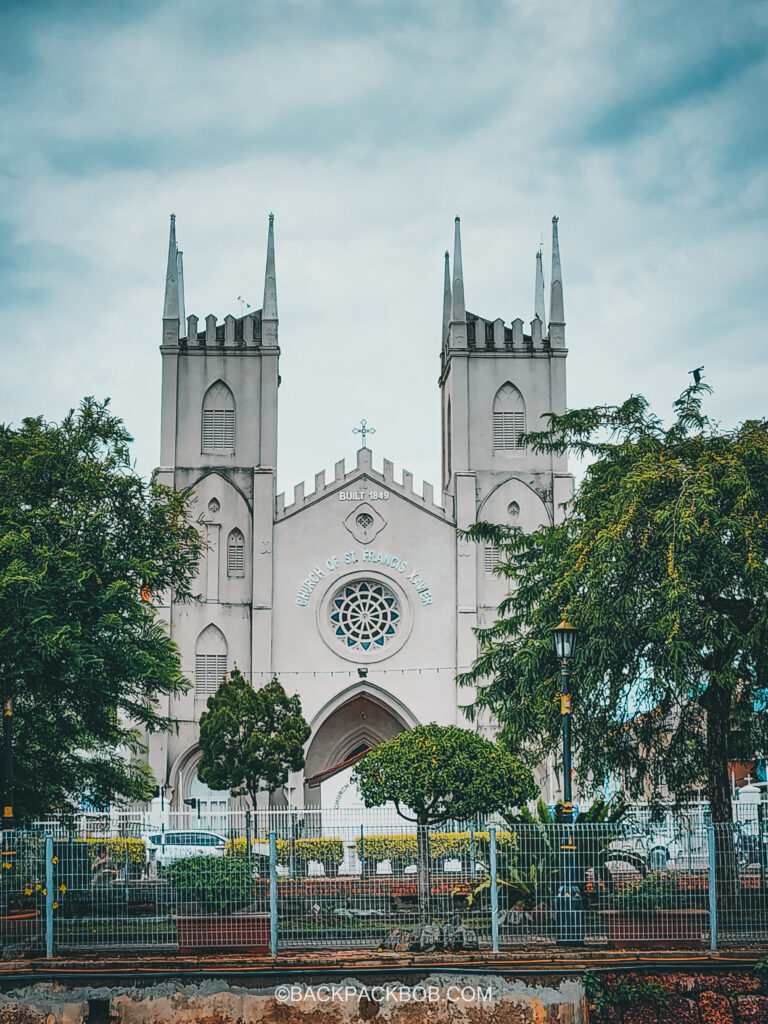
{"x": 366, "y": 125}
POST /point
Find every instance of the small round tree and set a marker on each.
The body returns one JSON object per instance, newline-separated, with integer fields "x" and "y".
{"x": 251, "y": 739}
{"x": 436, "y": 773}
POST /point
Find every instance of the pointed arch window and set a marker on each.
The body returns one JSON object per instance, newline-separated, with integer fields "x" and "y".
{"x": 236, "y": 553}
{"x": 210, "y": 661}
{"x": 218, "y": 433}
{"x": 508, "y": 419}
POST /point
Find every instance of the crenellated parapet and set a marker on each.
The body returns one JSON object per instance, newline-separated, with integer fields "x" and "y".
{"x": 231, "y": 333}
{"x": 496, "y": 335}
{"x": 362, "y": 483}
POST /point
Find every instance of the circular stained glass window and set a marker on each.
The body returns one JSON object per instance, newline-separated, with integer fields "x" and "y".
{"x": 365, "y": 615}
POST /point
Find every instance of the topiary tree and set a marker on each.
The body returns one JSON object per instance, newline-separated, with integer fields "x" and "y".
{"x": 251, "y": 739}
{"x": 436, "y": 773}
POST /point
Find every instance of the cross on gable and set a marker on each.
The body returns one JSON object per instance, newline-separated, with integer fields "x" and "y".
{"x": 364, "y": 429}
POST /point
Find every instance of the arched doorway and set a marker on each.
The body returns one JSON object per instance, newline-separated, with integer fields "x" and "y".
{"x": 354, "y": 724}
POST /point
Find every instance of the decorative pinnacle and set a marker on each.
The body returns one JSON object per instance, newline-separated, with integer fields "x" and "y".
{"x": 269, "y": 309}
{"x": 538, "y": 298}
{"x": 458, "y": 309}
{"x": 556, "y": 311}
{"x": 446, "y": 296}
{"x": 171, "y": 305}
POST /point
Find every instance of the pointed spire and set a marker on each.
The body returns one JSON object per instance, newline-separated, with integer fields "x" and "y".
{"x": 538, "y": 299}
{"x": 171, "y": 304}
{"x": 269, "y": 310}
{"x": 446, "y": 297}
{"x": 171, "y": 307}
{"x": 556, "y": 313}
{"x": 458, "y": 309}
{"x": 180, "y": 277}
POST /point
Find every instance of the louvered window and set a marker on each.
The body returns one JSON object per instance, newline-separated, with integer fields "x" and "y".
{"x": 508, "y": 428}
{"x": 236, "y": 554}
{"x": 492, "y": 557}
{"x": 210, "y": 669}
{"x": 210, "y": 660}
{"x": 508, "y": 419}
{"x": 218, "y": 432}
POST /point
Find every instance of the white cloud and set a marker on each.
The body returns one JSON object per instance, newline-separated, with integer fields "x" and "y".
{"x": 366, "y": 136}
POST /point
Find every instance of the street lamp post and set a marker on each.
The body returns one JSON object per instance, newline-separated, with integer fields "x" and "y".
{"x": 570, "y": 914}
{"x": 565, "y": 644}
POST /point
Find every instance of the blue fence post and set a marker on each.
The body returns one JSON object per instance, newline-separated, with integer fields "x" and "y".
{"x": 494, "y": 891}
{"x": 273, "y": 893}
{"x": 712, "y": 885}
{"x": 49, "y": 896}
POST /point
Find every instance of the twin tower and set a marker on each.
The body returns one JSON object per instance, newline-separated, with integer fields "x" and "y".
{"x": 524, "y": 371}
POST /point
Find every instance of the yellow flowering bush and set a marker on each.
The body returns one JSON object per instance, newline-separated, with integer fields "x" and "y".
{"x": 117, "y": 848}
{"x": 442, "y": 846}
{"x": 324, "y": 851}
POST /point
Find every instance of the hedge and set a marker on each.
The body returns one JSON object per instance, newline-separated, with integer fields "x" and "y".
{"x": 324, "y": 851}
{"x": 116, "y": 849}
{"x": 442, "y": 845}
{"x": 378, "y": 848}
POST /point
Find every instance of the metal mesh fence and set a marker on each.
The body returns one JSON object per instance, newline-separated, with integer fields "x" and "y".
{"x": 340, "y": 878}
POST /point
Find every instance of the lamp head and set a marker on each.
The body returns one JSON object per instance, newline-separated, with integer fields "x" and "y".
{"x": 564, "y": 636}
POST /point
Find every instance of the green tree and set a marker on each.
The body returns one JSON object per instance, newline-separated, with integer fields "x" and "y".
{"x": 662, "y": 563}
{"x": 251, "y": 739}
{"x": 436, "y": 773}
{"x": 83, "y": 658}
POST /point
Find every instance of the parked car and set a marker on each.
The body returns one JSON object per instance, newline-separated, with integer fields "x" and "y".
{"x": 164, "y": 847}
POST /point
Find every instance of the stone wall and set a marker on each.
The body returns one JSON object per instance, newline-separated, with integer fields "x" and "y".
{"x": 472, "y": 999}
{"x": 725, "y": 998}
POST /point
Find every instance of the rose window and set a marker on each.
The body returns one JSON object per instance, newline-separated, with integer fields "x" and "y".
{"x": 365, "y": 615}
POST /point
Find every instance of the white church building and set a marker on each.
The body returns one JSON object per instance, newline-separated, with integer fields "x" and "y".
{"x": 355, "y": 591}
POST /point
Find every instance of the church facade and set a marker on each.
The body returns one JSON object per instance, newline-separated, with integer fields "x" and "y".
{"x": 355, "y": 591}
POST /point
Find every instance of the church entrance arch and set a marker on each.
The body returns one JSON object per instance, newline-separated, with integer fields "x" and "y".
{"x": 359, "y": 720}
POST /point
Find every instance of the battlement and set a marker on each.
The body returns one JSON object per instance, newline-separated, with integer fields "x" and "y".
{"x": 493, "y": 335}
{"x": 232, "y": 332}
{"x": 342, "y": 478}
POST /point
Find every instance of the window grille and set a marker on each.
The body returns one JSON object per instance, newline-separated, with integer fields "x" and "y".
{"x": 492, "y": 558}
{"x": 236, "y": 554}
{"x": 210, "y": 669}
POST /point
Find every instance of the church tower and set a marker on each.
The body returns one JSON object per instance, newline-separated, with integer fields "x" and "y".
{"x": 498, "y": 382}
{"x": 219, "y": 437}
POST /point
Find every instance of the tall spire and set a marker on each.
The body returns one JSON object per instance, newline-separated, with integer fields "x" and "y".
{"x": 180, "y": 276}
{"x": 458, "y": 309}
{"x": 446, "y": 297}
{"x": 171, "y": 305}
{"x": 556, "y": 313}
{"x": 538, "y": 299}
{"x": 269, "y": 310}
{"x": 171, "y": 308}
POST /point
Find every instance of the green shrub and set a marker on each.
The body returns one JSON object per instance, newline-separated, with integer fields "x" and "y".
{"x": 623, "y": 993}
{"x": 659, "y": 890}
{"x": 220, "y": 884}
